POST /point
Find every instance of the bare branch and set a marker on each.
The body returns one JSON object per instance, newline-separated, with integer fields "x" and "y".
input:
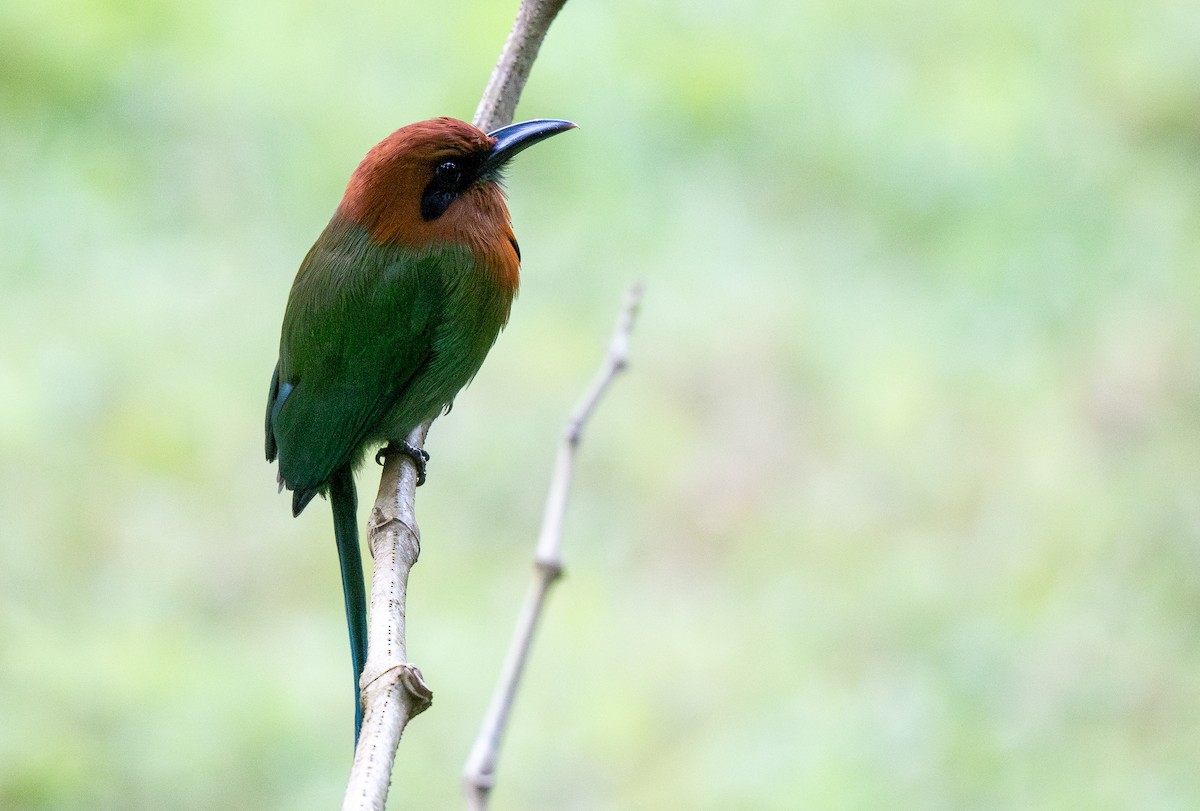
{"x": 499, "y": 102}
{"x": 393, "y": 691}
{"x": 480, "y": 773}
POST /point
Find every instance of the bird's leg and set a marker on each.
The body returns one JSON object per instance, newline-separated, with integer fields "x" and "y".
{"x": 418, "y": 456}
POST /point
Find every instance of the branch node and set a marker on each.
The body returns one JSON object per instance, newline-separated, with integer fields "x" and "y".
{"x": 550, "y": 570}
{"x": 482, "y": 780}
{"x": 380, "y": 527}
{"x": 408, "y": 676}
{"x": 417, "y": 689}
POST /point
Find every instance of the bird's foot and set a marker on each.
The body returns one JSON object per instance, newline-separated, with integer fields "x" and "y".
{"x": 418, "y": 456}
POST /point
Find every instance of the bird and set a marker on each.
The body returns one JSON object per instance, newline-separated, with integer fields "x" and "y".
{"x": 391, "y": 314}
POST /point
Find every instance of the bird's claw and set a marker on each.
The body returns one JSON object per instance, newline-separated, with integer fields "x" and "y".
{"x": 419, "y": 456}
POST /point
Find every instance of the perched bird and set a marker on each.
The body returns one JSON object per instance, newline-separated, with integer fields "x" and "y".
{"x": 392, "y": 313}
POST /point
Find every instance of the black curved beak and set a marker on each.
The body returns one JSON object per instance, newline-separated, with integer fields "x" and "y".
{"x": 516, "y": 137}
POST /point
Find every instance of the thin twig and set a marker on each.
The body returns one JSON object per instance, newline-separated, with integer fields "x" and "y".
{"x": 480, "y": 773}
{"x": 393, "y": 691}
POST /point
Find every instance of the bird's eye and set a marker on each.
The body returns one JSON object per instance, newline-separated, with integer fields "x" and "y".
{"x": 448, "y": 174}
{"x": 450, "y": 179}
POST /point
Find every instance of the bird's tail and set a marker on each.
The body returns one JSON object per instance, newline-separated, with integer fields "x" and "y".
{"x": 344, "y": 502}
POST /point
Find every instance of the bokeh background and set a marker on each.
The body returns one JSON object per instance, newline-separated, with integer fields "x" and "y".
{"x": 897, "y": 507}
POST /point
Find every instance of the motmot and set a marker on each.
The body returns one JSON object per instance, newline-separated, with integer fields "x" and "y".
{"x": 391, "y": 314}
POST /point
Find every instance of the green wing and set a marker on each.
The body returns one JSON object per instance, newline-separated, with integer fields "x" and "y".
{"x": 359, "y": 327}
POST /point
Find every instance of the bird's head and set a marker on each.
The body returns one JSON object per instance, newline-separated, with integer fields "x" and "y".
{"x": 437, "y": 182}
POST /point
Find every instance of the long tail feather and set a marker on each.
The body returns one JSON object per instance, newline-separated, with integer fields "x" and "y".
{"x": 344, "y": 501}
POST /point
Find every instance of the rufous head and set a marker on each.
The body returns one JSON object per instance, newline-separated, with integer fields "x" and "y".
{"x": 437, "y": 182}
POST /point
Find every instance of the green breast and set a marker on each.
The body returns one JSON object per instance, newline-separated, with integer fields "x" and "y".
{"x": 376, "y": 339}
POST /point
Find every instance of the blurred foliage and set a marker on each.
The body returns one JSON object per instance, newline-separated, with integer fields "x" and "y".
{"x": 898, "y": 507}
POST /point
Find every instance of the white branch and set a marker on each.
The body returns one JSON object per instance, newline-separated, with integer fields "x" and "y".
{"x": 499, "y": 102}
{"x": 393, "y": 691}
{"x": 480, "y": 773}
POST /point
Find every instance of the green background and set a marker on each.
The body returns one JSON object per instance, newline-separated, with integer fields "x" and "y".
{"x": 897, "y": 507}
